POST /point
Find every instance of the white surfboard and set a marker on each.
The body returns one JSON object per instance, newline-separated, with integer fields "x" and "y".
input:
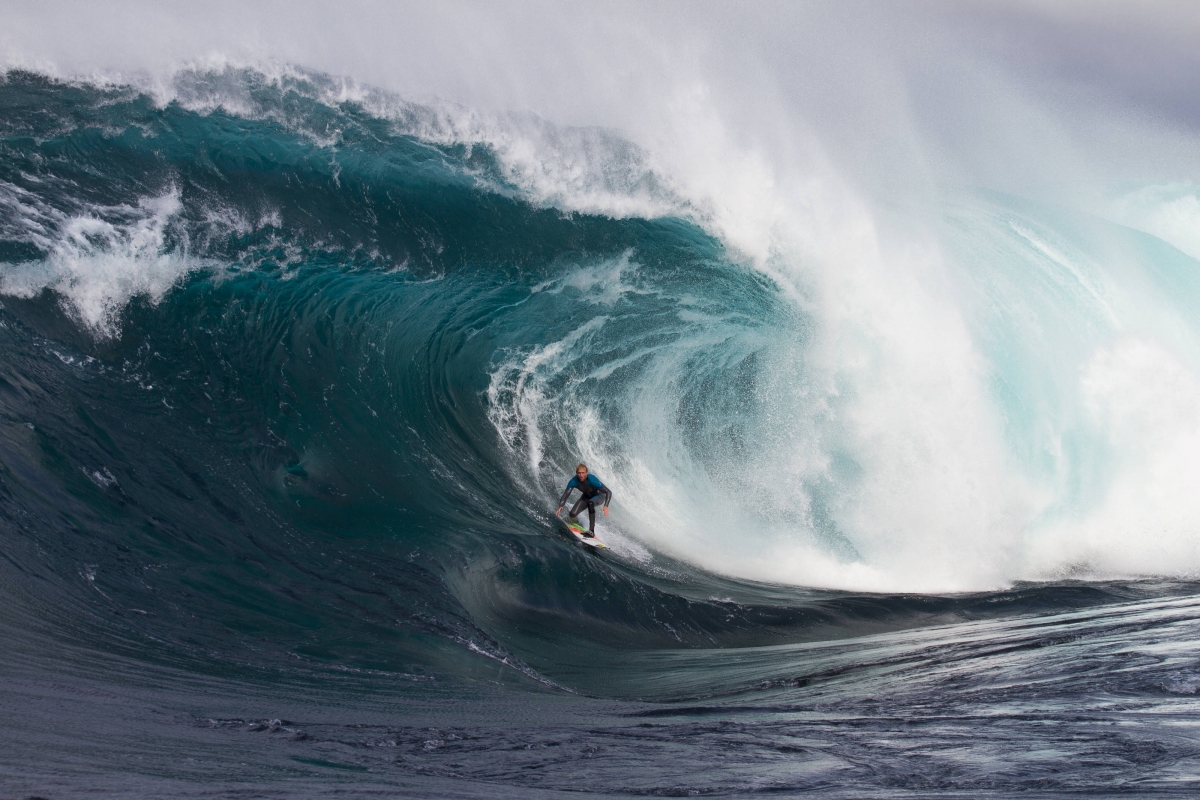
{"x": 578, "y": 532}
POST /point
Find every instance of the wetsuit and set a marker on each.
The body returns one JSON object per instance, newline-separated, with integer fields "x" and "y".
{"x": 590, "y": 489}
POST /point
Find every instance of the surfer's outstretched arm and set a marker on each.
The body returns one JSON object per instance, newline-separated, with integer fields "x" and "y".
{"x": 562, "y": 501}
{"x": 606, "y": 493}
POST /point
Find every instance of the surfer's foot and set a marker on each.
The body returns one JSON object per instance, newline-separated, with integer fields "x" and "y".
{"x": 590, "y": 534}
{"x": 573, "y": 520}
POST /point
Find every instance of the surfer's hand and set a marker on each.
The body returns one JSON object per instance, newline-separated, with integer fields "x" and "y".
{"x": 606, "y": 511}
{"x": 556, "y": 513}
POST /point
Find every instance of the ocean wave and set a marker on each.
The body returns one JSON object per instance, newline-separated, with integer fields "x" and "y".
{"x": 290, "y": 303}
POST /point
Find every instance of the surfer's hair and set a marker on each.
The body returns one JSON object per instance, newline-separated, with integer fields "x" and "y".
{"x": 581, "y": 466}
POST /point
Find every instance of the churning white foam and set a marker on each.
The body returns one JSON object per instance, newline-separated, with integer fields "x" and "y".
{"x": 100, "y": 260}
{"x": 1142, "y": 407}
{"x": 893, "y": 378}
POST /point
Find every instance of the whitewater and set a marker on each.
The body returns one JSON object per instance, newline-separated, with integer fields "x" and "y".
{"x": 880, "y": 323}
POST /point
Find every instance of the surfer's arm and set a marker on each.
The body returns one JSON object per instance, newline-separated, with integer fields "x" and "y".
{"x": 562, "y": 501}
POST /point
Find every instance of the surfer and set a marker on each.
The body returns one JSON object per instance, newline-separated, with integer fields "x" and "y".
{"x": 590, "y": 488}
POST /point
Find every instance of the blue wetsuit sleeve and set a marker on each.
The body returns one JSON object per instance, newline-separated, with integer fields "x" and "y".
{"x": 571, "y": 484}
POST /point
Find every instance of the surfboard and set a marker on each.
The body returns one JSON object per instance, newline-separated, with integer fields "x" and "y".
{"x": 577, "y": 531}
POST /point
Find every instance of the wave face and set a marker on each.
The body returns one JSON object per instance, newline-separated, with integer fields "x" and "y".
{"x": 294, "y": 372}
{"x": 266, "y": 364}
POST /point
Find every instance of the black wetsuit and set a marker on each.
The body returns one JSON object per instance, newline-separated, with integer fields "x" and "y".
{"x": 590, "y": 489}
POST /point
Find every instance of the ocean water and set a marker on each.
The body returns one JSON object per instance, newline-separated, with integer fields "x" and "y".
{"x": 294, "y": 370}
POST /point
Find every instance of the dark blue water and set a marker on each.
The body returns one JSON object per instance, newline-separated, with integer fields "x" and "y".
{"x": 287, "y": 394}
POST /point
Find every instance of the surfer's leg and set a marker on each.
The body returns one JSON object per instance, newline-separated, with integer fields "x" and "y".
{"x": 591, "y": 509}
{"x": 575, "y": 509}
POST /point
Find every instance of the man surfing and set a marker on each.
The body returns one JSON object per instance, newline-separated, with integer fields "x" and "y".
{"x": 590, "y": 488}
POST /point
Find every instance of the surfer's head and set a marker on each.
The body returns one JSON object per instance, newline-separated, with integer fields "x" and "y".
{"x": 581, "y": 471}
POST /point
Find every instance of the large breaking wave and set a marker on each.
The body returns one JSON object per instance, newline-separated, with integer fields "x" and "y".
{"x": 301, "y": 360}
